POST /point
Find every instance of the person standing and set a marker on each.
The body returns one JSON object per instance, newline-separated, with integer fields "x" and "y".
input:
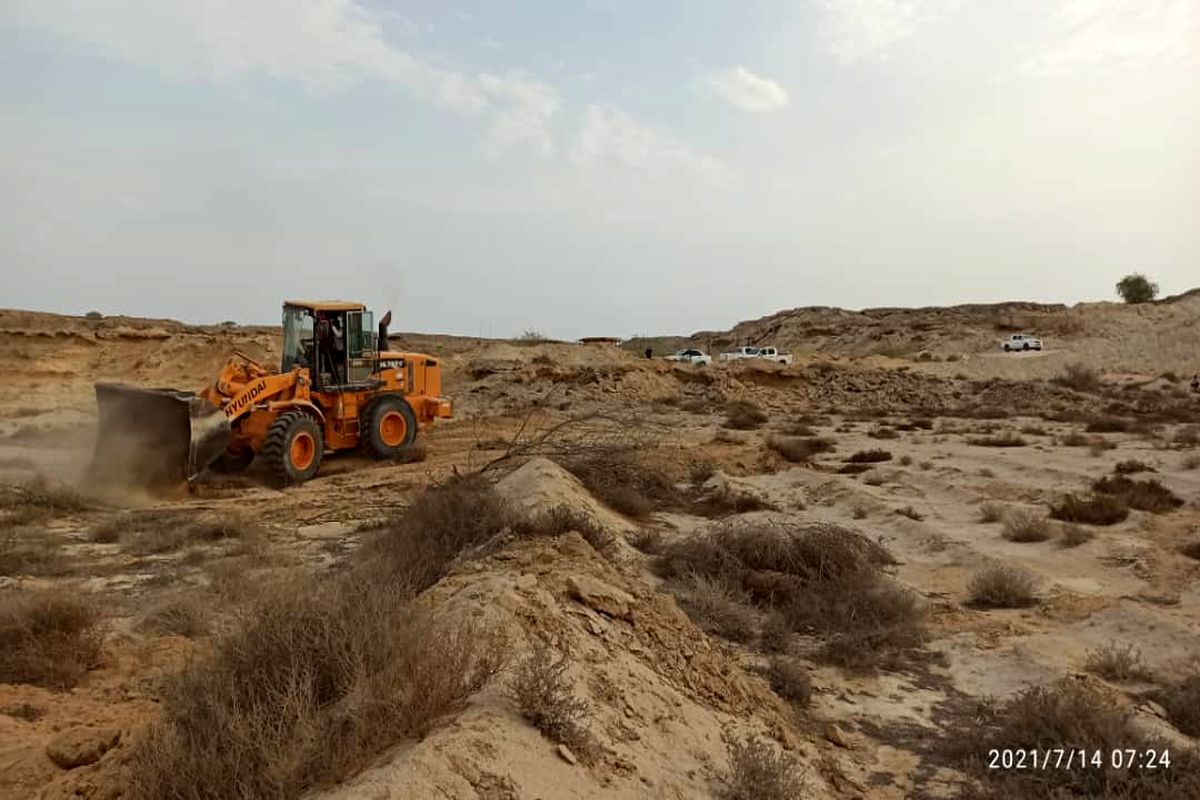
{"x": 383, "y": 330}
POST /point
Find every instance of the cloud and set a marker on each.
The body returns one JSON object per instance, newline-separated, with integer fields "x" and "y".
{"x": 610, "y": 135}
{"x": 319, "y": 44}
{"x": 751, "y": 93}
{"x": 859, "y": 30}
{"x": 529, "y": 107}
{"x": 1117, "y": 32}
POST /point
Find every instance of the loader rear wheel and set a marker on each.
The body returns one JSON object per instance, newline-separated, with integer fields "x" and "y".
{"x": 293, "y": 447}
{"x": 389, "y": 426}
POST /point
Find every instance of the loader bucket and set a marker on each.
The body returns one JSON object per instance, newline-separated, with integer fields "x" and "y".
{"x": 155, "y": 436}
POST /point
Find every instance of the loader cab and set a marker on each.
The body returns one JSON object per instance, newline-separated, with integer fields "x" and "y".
{"x": 335, "y": 341}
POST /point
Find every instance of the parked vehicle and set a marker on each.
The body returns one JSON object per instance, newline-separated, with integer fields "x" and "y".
{"x": 764, "y": 353}
{"x": 1021, "y": 341}
{"x": 740, "y": 353}
{"x": 690, "y": 357}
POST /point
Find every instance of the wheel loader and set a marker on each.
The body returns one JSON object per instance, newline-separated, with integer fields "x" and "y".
{"x": 334, "y": 390}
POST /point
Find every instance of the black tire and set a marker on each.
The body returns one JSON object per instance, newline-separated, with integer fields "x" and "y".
{"x": 278, "y": 449}
{"x": 1006, "y": 348}
{"x": 370, "y": 426}
{"x": 1026, "y": 347}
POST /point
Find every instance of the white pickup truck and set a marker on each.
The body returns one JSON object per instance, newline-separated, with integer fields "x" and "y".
{"x": 764, "y": 353}
{"x": 690, "y": 357}
{"x": 1021, "y": 341}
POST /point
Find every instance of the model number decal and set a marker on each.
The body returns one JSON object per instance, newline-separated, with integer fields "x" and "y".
{"x": 392, "y": 363}
{"x": 239, "y": 403}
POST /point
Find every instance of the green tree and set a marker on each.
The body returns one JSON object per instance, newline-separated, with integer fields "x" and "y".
{"x": 1137, "y": 288}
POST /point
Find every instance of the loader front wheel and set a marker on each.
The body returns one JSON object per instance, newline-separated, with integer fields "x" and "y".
{"x": 389, "y": 426}
{"x": 293, "y": 447}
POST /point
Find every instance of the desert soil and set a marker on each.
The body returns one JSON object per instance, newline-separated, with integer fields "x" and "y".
{"x": 662, "y": 693}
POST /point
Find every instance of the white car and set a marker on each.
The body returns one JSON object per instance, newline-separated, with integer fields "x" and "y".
{"x": 690, "y": 357}
{"x": 764, "y": 353}
{"x": 1021, "y": 341}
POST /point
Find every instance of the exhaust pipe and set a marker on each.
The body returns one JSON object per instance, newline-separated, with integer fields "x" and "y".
{"x": 155, "y": 436}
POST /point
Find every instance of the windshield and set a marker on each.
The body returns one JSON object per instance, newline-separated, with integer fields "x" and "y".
{"x": 297, "y": 338}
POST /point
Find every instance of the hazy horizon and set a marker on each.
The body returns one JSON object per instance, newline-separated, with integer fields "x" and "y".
{"x": 600, "y": 168}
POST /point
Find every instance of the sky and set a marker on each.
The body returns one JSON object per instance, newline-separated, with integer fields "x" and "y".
{"x": 597, "y": 167}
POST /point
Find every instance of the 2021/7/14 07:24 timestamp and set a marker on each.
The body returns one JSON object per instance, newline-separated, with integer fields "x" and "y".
{"x": 1077, "y": 758}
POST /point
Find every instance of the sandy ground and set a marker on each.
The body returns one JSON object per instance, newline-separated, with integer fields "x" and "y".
{"x": 662, "y": 692}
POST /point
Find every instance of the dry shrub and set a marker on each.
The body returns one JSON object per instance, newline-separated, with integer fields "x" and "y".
{"x": 41, "y": 496}
{"x": 153, "y": 532}
{"x": 37, "y": 555}
{"x": 800, "y": 450}
{"x": 564, "y": 519}
{"x": 906, "y": 461}
{"x": 1190, "y": 462}
{"x": 723, "y": 501}
{"x": 860, "y": 511}
{"x": 1024, "y": 526}
{"x": 853, "y": 469}
{"x": 1080, "y": 378}
{"x": 1148, "y": 495}
{"x": 790, "y": 680}
{"x": 701, "y": 471}
{"x": 418, "y": 547}
{"x": 883, "y": 432}
{"x": 1191, "y": 550}
{"x": 826, "y": 580}
{"x": 743, "y": 415}
{"x": 1131, "y": 466}
{"x": 999, "y": 586}
{"x": 47, "y": 638}
{"x": 1116, "y": 662}
{"x": 716, "y": 607}
{"x": 1034, "y": 430}
{"x": 1068, "y": 716}
{"x": 619, "y": 479}
{"x": 776, "y": 635}
{"x": 1181, "y": 700}
{"x": 869, "y": 457}
{"x": 797, "y": 429}
{"x": 1073, "y": 439}
{"x": 647, "y": 540}
{"x": 874, "y": 478}
{"x": 1073, "y": 535}
{"x": 1099, "y": 509}
{"x": 1188, "y": 436}
{"x": 542, "y": 690}
{"x": 760, "y": 772}
{"x": 1006, "y": 439}
{"x": 183, "y": 615}
{"x": 911, "y": 513}
{"x": 991, "y": 512}
{"x": 319, "y": 678}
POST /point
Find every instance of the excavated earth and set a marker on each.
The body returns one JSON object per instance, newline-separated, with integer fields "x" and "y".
{"x": 663, "y": 695}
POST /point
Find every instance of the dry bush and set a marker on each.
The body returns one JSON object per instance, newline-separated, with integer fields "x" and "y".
{"x": 37, "y": 555}
{"x": 564, "y": 519}
{"x": 47, "y": 638}
{"x": 543, "y": 693}
{"x": 701, "y": 471}
{"x": 799, "y": 450}
{"x": 760, "y": 772}
{"x": 1034, "y": 430}
{"x": 1191, "y": 550}
{"x": 1073, "y": 439}
{"x": 723, "y": 501}
{"x": 911, "y": 513}
{"x": 797, "y": 429}
{"x": 319, "y": 678}
{"x": 1190, "y": 462}
{"x": 991, "y": 512}
{"x": 1149, "y": 495}
{"x": 883, "y": 432}
{"x": 418, "y": 547}
{"x": 873, "y": 478}
{"x": 183, "y": 615}
{"x": 859, "y": 511}
{"x": 869, "y": 457}
{"x": 1079, "y": 377}
{"x": 906, "y": 461}
{"x": 1024, "y": 526}
{"x": 1181, "y": 700}
{"x": 715, "y": 606}
{"x": 622, "y": 481}
{"x": 24, "y": 710}
{"x": 1188, "y": 436}
{"x": 1109, "y": 424}
{"x": 999, "y": 586}
{"x": 1115, "y": 662}
{"x": 790, "y": 680}
{"x": 647, "y": 540}
{"x": 41, "y": 496}
{"x": 776, "y": 634}
{"x": 1072, "y": 535}
{"x": 1100, "y": 509}
{"x": 1005, "y": 439}
{"x": 743, "y": 415}
{"x": 1131, "y": 466}
{"x": 984, "y": 472}
{"x": 1068, "y": 716}
{"x": 853, "y": 469}
{"x": 826, "y": 580}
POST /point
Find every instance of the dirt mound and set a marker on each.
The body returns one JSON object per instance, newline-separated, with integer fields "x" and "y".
{"x": 540, "y": 486}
